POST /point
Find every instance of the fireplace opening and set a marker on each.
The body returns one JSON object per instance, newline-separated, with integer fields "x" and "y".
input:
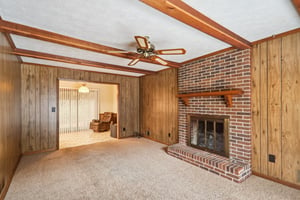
{"x": 209, "y": 133}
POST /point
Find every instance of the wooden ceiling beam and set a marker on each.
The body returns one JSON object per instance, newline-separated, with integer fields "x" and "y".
{"x": 188, "y": 15}
{"x": 297, "y": 5}
{"x": 27, "y": 31}
{"x": 46, "y": 56}
{"x": 12, "y": 45}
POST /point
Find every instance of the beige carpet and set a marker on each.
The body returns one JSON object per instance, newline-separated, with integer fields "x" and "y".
{"x": 129, "y": 169}
{"x": 75, "y": 139}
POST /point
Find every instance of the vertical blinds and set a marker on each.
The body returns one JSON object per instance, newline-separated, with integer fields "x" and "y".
{"x": 76, "y": 110}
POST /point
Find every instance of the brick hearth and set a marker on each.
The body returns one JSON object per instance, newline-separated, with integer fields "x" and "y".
{"x": 227, "y": 70}
{"x": 230, "y": 169}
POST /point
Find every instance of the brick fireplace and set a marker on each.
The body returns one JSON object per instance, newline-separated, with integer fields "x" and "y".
{"x": 225, "y": 71}
{"x": 209, "y": 133}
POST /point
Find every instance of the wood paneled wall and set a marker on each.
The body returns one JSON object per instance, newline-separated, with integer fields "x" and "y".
{"x": 159, "y": 106}
{"x": 39, "y": 95}
{"x": 276, "y": 108}
{"x": 10, "y": 117}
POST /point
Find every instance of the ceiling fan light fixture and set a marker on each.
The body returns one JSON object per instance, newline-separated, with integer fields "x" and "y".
{"x": 146, "y": 54}
{"x": 83, "y": 89}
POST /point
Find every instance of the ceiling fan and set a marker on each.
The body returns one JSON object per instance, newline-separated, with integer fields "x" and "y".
{"x": 145, "y": 49}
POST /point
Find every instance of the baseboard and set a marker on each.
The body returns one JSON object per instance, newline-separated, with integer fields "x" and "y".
{"x": 36, "y": 152}
{"x": 277, "y": 180}
{"x": 6, "y": 185}
{"x": 128, "y": 136}
{"x": 155, "y": 140}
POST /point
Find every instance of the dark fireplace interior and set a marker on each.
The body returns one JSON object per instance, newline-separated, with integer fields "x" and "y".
{"x": 209, "y": 133}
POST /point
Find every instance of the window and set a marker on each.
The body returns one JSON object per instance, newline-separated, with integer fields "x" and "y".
{"x": 76, "y": 110}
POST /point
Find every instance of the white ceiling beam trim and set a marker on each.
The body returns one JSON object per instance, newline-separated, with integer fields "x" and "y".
{"x": 27, "y": 31}
{"x": 72, "y": 52}
{"x": 77, "y": 67}
{"x": 34, "y": 54}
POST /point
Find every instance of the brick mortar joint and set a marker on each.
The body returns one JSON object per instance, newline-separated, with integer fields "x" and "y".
{"x": 233, "y": 177}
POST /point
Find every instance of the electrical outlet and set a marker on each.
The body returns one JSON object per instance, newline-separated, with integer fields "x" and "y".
{"x": 136, "y": 134}
{"x": 272, "y": 158}
{"x": 148, "y": 133}
{"x": 53, "y": 109}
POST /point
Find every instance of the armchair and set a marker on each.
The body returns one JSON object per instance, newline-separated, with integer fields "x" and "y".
{"x": 104, "y": 123}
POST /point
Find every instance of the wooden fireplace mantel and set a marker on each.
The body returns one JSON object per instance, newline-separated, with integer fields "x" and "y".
{"x": 226, "y": 93}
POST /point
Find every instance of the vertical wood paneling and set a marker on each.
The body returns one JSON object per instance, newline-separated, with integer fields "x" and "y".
{"x": 10, "y": 114}
{"x": 43, "y": 82}
{"x": 274, "y": 106}
{"x": 159, "y": 106}
{"x": 37, "y": 116}
{"x": 44, "y": 76}
{"x": 173, "y": 114}
{"x": 65, "y": 73}
{"x": 256, "y": 108}
{"x": 277, "y": 130}
{"x": 264, "y": 107}
{"x": 32, "y": 103}
{"x": 124, "y": 110}
{"x": 25, "y": 83}
{"x": 291, "y": 108}
{"x": 52, "y": 104}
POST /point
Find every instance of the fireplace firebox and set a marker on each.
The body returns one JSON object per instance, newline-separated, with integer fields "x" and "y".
{"x": 209, "y": 133}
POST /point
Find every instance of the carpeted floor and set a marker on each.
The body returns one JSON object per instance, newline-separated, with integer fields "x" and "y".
{"x": 129, "y": 169}
{"x": 75, "y": 139}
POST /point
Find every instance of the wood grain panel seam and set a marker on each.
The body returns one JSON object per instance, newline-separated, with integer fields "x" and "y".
{"x": 281, "y": 172}
{"x": 267, "y": 106}
{"x": 260, "y": 108}
{"x": 267, "y": 102}
{"x": 266, "y": 109}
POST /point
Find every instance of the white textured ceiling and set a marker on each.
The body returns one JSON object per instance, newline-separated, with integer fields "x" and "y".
{"x": 115, "y": 22}
{"x": 51, "y": 48}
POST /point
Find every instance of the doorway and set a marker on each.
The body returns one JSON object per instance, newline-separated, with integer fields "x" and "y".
{"x": 79, "y": 109}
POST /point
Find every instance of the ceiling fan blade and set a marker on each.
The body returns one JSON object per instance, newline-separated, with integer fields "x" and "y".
{"x": 142, "y": 42}
{"x": 134, "y": 61}
{"x": 170, "y": 51}
{"x": 160, "y": 60}
{"x": 118, "y": 52}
